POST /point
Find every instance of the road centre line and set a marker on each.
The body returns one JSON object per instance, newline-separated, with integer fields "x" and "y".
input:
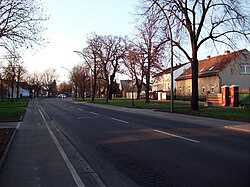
{"x": 94, "y": 113}
{"x": 176, "y": 136}
{"x": 71, "y": 168}
{"x": 81, "y": 109}
{"x": 120, "y": 120}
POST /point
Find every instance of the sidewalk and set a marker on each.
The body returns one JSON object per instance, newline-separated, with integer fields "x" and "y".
{"x": 33, "y": 158}
{"x": 233, "y": 125}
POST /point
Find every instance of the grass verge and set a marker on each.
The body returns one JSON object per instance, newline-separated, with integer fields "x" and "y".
{"x": 12, "y": 111}
{"x": 233, "y": 114}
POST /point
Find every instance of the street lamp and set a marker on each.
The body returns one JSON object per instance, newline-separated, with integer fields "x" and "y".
{"x": 72, "y": 87}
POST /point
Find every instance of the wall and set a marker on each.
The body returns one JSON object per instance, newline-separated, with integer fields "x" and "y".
{"x": 231, "y": 74}
{"x": 206, "y": 82}
{"x": 163, "y": 83}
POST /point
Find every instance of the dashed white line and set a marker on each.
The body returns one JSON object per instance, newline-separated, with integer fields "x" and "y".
{"x": 176, "y": 136}
{"x": 120, "y": 120}
{"x": 94, "y": 113}
{"x": 81, "y": 109}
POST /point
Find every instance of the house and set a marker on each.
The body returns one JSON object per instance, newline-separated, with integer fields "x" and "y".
{"x": 230, "y": 68}
{"x": 6, "y": 89}
{"x": 127, "y": 87}
{"x": 123, "y": 87}
{"x": 162, "y": 81}
{"x": 24, "y": 89}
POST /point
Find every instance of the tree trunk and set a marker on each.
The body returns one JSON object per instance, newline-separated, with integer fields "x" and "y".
{"x": 1, "y": 89}
{"x": 76, "y": 91}
{"x": 139, "y": 86}
{"x": 107, "y": 89}
{"x": 83, "y": 90}
{"x": 110, "y": 91}
{"x": 94, "y": 86}
{"x": 17, "y": 90}
{"x": 12, "y": 88}
{"x": 147, "y": 84}
{"x": 195, "y": 94}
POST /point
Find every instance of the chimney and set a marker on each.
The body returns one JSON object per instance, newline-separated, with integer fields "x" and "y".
{"x": 226, "y": 52}
{"x": 208, "y": 56}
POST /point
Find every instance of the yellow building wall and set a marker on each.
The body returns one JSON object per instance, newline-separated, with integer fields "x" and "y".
{"x": 212, "y": 84}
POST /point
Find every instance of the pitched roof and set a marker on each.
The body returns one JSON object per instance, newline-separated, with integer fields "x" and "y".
{"x": 124, "y": 84}
{"x": 23, "y": 84}
{"x": 211, "y": 66}
{"x": 168, "y": 70}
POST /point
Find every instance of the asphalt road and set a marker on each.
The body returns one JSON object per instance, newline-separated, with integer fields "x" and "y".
{"x": 128, "y": 149}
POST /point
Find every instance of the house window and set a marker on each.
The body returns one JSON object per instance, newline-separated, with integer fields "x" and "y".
{"x": 212, "y": 89}
{"x": 180, "y": 89}
{"x": 203, "y": 89}
{"x": 244, "y": 69}
{"x": 189, "y": 89}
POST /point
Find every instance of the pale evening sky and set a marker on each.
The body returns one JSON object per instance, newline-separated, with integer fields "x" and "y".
{"x": 72, "y": 21}
{"x": 69, "y": 25}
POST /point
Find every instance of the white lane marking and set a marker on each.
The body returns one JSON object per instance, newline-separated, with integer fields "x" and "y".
{"x": 176, "y": 136}
{"x": 71, "y": 168}
{"x": 86, "y": 117}
{"x": 120, "y": 120}
{"x": 71, "y": 106}
{"x": 81, "y": 109}
{"x": 94, "y": 113}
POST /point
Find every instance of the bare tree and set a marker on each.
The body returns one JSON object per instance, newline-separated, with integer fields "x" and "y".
{"x": 135, "y": 63}
{"x": 21, "y": 23}
{"x": 20, "y": 72}
{"x": 151, "y": 45}
{"x": 111, "y": 55}
{"x": 197, "y": 22}
{"x": 35, "y": 82}
{"x": 12, "y": 72}
{"x": 64, "y": 87}
{"x": 79, "y": 76}
{"x": 49, "y": 78}
{"x": 90, "y": 55}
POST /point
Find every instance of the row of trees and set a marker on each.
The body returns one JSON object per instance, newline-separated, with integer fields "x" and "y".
{"x": 15, "y": 72}
{"x": 169, "y": 26}
{"x": 21, "y": 26}
{"x": 105, "y": 56}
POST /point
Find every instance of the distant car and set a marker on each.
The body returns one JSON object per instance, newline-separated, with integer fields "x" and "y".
{"x": 61, "y": 96}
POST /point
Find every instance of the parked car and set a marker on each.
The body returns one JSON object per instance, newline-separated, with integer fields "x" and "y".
{"x": 61, "y": 96}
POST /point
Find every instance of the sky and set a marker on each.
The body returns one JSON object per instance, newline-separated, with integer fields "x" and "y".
{"x": 71, "y": 22}
{"x": 69, "y": 25}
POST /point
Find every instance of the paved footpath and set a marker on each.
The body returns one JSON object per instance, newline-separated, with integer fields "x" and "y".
{"x": 33, "y": 158}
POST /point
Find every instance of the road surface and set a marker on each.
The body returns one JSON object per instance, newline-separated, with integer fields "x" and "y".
{"x": 113, "y": 148}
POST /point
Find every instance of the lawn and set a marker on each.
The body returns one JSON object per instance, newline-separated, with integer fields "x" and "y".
{"x": 227, "y": 113}
{"x": 12, "y": 111}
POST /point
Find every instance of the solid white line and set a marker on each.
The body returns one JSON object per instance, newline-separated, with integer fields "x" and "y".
{"x": 71, "y": 168}
{"x": 94, "y": 113}
{"x": 176, "y": 136}
{"x": 119, "y": 120}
